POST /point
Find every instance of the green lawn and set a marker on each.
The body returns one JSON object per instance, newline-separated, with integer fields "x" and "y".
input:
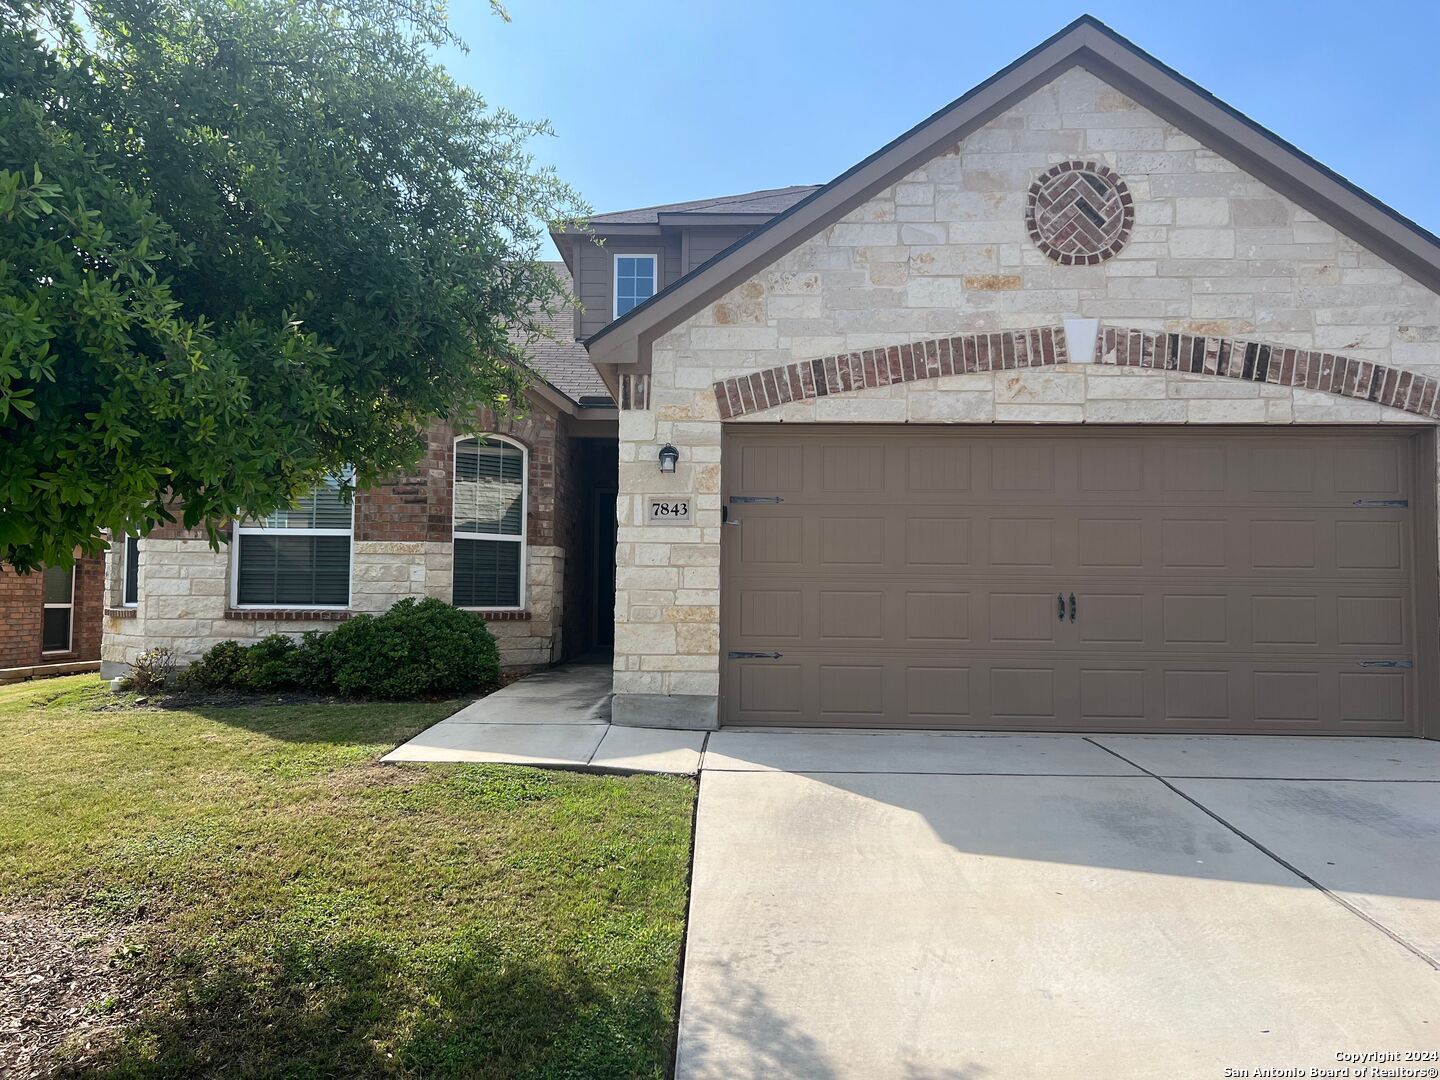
{"x": 289, "y": 907}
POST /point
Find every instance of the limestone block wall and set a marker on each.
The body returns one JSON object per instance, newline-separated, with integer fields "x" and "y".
{"x": 402, "y": 546}
{"x": 1213, "y": 253}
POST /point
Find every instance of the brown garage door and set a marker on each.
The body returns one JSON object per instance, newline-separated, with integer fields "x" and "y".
{"x": 1111, "y": 579}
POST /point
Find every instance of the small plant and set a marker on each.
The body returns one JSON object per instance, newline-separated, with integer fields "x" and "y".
{"x": 150, "y": 672}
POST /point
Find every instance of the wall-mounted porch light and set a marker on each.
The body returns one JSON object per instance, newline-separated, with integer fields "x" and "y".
{"x": 668, "y": 457}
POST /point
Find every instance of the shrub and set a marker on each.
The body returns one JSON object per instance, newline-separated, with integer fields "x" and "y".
{"x": 313, "y": 666}
{"x": 218, "y": 668}
{"x": 414, "y": 649}
{"x": 150, "y": 672}
{"x": 269, "y": 664}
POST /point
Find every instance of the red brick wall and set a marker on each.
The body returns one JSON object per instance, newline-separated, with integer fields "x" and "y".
{"x": 416, "y": 506}
{"x": 22, "y": 598}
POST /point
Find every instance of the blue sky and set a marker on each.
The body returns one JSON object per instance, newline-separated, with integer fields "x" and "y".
{"x": 656, "y": 101}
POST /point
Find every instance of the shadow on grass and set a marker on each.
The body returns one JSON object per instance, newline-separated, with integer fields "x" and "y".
{"x": 333, "y": 721}
{"x": 355, "y": 1010}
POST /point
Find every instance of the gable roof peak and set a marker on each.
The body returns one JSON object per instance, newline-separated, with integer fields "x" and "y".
{"x": 1085, "y": 42}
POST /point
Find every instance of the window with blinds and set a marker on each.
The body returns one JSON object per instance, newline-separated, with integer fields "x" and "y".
{"x": 298, "y": 557}
{"x": 489, "y": 515}
{"x": 59, "y": 609}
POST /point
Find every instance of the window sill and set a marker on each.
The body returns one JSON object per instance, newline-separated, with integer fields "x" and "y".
{"x": 288, "y": 614}
{"x": 499, "y": 616}
{"x": 120, "y": 612}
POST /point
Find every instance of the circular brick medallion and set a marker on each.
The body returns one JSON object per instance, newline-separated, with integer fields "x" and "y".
{"x": 1079, "y": 213}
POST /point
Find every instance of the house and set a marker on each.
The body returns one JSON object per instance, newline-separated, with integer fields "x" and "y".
{"x": 1085, "y": 404}
{"x": 50, "y": 619}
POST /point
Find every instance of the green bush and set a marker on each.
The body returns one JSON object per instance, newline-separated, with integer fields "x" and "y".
{"x": 412, "y": 650}
{"x": 218, "y": 669}
{"x": 269, "y": 664}
{"x": 312, "y": 667}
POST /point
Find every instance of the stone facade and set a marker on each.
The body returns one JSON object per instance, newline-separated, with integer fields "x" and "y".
{"x": 402, "y": 546}
{"x": 1213, "y": 255}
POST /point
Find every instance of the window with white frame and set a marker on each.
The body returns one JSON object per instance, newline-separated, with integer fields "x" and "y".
{"x": 489, "y": 514}
{"x": 130, "y": 573}
{"x": 635, "y": 278}
{"x": 59, "y": 614}
{"x": 298, "y": 557}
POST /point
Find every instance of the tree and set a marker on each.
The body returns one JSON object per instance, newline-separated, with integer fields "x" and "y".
{"x": 243, "y": 245}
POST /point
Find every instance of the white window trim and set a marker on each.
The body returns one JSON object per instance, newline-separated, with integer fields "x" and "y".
{"x": 615, "y": 277}
{"x": 124, "y": 571}
{"x": 251, "y": 527}
{"x": 522, "y": 539}
{"x": 45, "y": 605}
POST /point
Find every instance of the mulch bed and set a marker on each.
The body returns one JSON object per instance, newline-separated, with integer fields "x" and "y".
{"x": 62, "y": 985}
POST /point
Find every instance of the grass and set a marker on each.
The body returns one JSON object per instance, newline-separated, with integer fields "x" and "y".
{"x": 292, "y": 908}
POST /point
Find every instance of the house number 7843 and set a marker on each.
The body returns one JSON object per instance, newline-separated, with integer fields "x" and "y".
{"x": 669, "y": 511}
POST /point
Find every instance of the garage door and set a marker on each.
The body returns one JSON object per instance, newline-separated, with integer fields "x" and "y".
{"x": 1102, "y": 580}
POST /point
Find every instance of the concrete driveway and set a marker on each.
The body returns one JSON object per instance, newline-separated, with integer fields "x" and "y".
{"x": 998, "y": 906}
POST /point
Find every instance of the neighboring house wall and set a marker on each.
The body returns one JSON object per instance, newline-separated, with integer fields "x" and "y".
{"x": 944, "y": 252}
{"x": 22, "y": 616}
{"x": 402, "y": 546}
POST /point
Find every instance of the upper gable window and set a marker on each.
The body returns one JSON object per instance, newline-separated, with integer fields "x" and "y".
{"x": 634, "y": 281}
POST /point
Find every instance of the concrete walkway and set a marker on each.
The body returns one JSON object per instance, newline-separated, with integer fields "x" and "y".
{"x": 559, "y": 718}
{"x": 1010, "y": 906}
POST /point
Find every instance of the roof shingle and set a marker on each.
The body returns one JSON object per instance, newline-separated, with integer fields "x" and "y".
{"x": 561, "y": 360}
{"x": 769, "y": 201}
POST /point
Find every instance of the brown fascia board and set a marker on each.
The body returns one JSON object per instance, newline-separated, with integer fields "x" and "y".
{"x": 609, "y": 228}
{"x": 1084, "y": 43}
{"x": 693, "y": 221}
{"x": 557, "y": 400}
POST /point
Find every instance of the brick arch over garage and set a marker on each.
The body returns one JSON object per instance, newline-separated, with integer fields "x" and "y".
{"x": 1045, "y": 346}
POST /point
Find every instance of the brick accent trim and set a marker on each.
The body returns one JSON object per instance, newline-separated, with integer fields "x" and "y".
{"x": 964, "y": 354}
{"x": 1076, "y": 233}
{"x": 120, "y": 612}
{"x": 501, "y": 616}
{"x": 287, "y": 614}
{"x": 1254, "y": 361}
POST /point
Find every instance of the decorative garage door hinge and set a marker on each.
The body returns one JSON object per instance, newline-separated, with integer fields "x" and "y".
{"x": 756, "y": 499}
{"x": 1407, "y": 664}
{"x": 1382, "y": 502}
{"x": 740, "y": 655}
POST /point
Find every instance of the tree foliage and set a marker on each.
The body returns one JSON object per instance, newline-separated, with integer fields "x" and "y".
{"x": 244, "y": 244}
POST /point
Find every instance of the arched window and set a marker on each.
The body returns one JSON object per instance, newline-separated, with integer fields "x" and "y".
{"x": 489, "y": 517}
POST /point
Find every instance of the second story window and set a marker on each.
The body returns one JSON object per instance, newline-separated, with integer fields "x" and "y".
{"x": 298, "y": 557}
{"x": 635, "y": 277}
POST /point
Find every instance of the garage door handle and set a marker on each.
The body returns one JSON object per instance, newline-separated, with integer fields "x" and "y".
{"x": 734, "y": 655}
{"x": 1060, "y": 606}
{"x": 1072, "y": 607}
